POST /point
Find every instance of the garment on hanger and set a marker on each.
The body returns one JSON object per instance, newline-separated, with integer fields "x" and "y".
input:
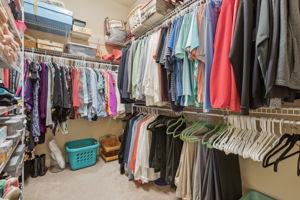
{"x": 55, "y": 92}
{"x": 198, "y": 59}
{"x": 223, "y": 90}
{"x": 160, "y": 149}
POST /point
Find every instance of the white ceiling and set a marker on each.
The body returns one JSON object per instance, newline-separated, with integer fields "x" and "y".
{"x": 128, "y": 3}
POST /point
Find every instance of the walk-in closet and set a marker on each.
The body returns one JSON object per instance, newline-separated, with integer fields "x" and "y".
{"x": 150, "y": 99}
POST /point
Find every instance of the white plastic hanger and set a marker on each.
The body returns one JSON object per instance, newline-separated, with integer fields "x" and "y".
{"x": 272, "y": 138}
{"x": 260, "y": 136}
{"x": 251, "y": 139}
{"x": 222, "y": 139}
{"x": 268, "y": 135}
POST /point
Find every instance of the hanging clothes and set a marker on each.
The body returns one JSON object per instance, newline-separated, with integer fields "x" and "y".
{"x": 212, "y": 10}
{"x": 152, "y": 151}
{"x": 223, "y": 54}
{"x": 241, "y": 53}
{"x": 223, "y": 91}
{"x": 54, "y": 93}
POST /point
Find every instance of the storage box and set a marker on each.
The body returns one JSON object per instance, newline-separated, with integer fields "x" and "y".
{"x": 134, "y": 17}
{"x": 43, "y": 16}
{"x": 13, "y": 167}
{"x": 78, "y": 22}
{"x": 109, "y": 156}
{"x": 81, "y": 33}
{"x": 5, "y": 148}
{"x": 154, "y": 10}
{"x": 15, "y": 137}
{"x": 82, "y": 30}
{"x": 49, "y": 45}
{"x": 13, "y": 123}
{"x": 80, "y": 50}
{"x": 29, "y": 43}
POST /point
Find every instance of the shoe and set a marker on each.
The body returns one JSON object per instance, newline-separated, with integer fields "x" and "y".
{"x": 35, "y": 167}
{"x": 160, "y": 182}
{"x": 42, "y": 165}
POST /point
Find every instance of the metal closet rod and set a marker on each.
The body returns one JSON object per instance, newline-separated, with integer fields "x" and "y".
{"x": 66, "y": 56}
{"x": 88, "y": 63}
{"x": 28, "y": 54}
{"x": 147, "y": 108}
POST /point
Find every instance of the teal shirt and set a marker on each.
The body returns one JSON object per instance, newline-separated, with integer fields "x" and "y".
{"x": 180, "y": 51}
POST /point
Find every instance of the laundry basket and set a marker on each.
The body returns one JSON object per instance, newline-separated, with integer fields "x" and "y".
{"x": 82, "y": 153}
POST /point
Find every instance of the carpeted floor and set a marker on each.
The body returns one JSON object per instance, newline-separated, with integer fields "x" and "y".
{"x": 100, "y": 182}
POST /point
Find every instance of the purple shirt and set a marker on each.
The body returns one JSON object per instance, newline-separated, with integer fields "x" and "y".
{"x": 112, "y": 96}
{"x": 43, "y": 97}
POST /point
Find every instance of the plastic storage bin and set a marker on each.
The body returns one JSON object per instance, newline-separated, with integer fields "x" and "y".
{"x": 82, "y": 153}
{"x": 79, "y": 50}
{"x": 48, "y": 16}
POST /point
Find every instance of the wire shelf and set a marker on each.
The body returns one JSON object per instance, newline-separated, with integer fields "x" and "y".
{"x": 66, "y": 55}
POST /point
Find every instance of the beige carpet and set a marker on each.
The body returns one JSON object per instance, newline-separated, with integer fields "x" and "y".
{"x": 100, "y": 182}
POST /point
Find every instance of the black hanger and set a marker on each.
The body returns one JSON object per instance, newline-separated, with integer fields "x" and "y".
{"x": 294, "y": 139}
{"x": 155, "y": 122}
{"x": 274, "y": 150}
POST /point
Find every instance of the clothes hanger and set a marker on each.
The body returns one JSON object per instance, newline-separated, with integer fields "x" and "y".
{"x": 252, "y": 140}
{"x": 265, "y": 128}
{"x": 219, "y": 140}
{"x": 294, "y": 139}
{"x": 232, "y": 137}
{"x": 206, "y": 137}
{"x": 271, "y": 137}
{"x": 237, "y": 141}
{"x": 189, "y": 134}
{"x": 179, "y": 122}
{"x": 182, "y": 123}
{"x": 186, "y": 130}
{"x": 273, "y": 143}
{"x": 282, "y": 143}
{"x": 221, "y": 131}
{"x": 276, "y": 148}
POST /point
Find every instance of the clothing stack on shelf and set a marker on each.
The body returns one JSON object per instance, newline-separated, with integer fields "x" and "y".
{"x": 167, "y": 151}
{"x": 206, "y": 57}
{"x": 56, "y": 92}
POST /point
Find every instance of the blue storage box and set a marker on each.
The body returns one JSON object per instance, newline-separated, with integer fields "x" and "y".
{"x": 47, "y": 17}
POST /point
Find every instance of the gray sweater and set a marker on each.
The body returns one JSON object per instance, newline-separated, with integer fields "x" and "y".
{"x": 288, "y": 71}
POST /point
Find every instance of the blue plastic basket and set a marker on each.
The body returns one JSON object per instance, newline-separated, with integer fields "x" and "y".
{"x": 82, "y": 153}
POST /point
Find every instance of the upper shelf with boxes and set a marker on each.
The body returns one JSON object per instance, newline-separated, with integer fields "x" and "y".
{"x": 57, "y": 20}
